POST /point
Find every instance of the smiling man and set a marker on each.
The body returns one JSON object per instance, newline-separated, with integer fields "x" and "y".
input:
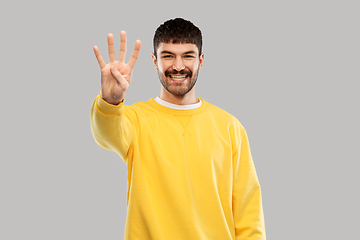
{"x": 189, "y": 167}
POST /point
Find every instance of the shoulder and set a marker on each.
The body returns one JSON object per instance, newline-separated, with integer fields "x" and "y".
{"x": 222, "y": 114}
{"x": 228, "y": 122}
{"x": 142, "y": 106}
{"x": 140, "y": 109}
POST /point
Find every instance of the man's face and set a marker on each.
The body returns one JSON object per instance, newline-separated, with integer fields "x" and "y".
{"x": 178, "y": 66}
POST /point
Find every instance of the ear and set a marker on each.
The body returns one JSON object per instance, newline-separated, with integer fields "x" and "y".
{"x": 154, "y": 61}
{"x": 202, "y": 56}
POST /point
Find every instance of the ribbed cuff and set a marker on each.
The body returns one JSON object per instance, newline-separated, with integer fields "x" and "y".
{"x": 107, "y": 108}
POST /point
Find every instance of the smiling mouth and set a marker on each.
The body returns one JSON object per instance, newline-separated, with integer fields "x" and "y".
{"x": 178, "y": 77}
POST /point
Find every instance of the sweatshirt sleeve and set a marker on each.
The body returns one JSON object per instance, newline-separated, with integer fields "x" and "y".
{"x": 247, "y": 203}
{"x": 111, "y": 127}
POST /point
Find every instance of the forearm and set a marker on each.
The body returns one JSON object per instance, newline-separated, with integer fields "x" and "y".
{"x": 249, "y": 225}
{"x": 247, "y": 200}
{"x": 110, "y": 127}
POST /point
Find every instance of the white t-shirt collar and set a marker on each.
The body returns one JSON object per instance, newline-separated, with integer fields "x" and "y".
{"x": 176, "y": 106}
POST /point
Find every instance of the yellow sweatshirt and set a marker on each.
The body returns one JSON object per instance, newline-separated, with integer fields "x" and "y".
{"x": 190, "y": 172}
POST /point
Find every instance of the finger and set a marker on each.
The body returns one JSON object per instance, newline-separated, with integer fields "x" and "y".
{"x": 99, "y": 57}
{"x": 111, "y": 48}
{"x": 118, "y": 77}
{"x": 122, "y": 51}
{"x": 135, "y": 54}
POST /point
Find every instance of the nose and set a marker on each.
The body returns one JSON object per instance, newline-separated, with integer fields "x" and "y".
{"x": 178, "y": 64}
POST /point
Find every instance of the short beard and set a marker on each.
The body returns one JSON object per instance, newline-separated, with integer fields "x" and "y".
{"x": 182, "y": 91}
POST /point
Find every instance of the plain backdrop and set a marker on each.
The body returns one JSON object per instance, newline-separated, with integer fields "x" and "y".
{"x": 288, "y": 70}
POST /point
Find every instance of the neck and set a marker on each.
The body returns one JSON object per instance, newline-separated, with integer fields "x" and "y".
{"x": 186, "y": 99}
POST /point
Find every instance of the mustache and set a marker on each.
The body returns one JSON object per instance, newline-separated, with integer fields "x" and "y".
{"x": 174, "y": 71}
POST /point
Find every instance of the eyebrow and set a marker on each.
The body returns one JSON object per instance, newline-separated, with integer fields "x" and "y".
{"x": 185, "y": 53}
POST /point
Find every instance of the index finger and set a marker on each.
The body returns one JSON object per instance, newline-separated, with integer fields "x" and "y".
{"x": 135, "y": 54}
{"x": 99, "y": 57}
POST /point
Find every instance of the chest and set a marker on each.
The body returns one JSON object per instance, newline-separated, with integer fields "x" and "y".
{"x": 177, "y": 141}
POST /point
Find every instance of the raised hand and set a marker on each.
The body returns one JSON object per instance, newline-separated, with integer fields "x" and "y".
{"x": 116, "y": 75}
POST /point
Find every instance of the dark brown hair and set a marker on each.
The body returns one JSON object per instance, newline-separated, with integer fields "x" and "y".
{"x": 177, "y": 30}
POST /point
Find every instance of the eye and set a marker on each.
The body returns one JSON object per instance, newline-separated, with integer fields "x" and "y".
{"x": 167, "y": 56}
{"x": 189, "y": 57}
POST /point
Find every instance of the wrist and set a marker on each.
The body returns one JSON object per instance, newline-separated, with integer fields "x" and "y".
{"x": 112, "y": 101}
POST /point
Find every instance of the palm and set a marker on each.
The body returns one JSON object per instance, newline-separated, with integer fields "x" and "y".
{"x": 114, "y": 84}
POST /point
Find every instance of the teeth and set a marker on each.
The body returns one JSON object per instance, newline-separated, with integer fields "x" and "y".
{"x": 178, "y": 77}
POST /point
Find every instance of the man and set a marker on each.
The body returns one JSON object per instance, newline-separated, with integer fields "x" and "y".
{"x": 189, "y": 166}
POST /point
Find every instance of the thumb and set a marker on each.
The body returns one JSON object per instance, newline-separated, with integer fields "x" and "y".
{"x": 118, "y": 77}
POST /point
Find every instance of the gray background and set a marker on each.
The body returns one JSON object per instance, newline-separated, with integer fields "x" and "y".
{"x": 288, "y": 70}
